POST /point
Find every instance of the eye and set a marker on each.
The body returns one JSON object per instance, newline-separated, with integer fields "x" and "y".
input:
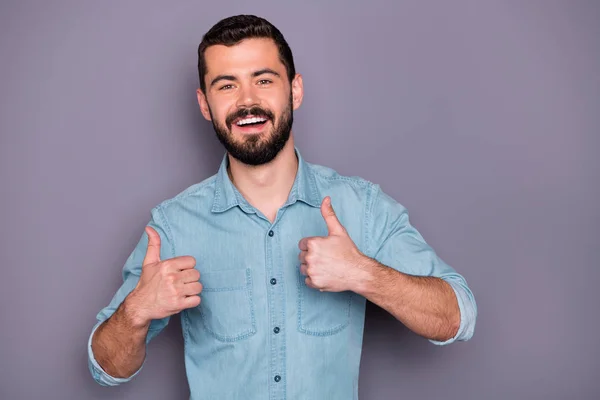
{"x": 226, "y": 87}
{"x": 265, "y": 81}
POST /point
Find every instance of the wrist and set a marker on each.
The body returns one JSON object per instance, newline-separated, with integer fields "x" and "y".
{"x": 133, "y": 312}
{"x": 365, "y": 275}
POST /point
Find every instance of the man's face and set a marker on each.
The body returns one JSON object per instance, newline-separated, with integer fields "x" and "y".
{"x": 249, "y": 99}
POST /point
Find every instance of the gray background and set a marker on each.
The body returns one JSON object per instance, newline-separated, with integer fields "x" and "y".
{"x": 482, "y": 118}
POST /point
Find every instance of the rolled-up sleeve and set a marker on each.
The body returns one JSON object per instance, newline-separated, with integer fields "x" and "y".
{"x": 394, "y": 242}
{"x": 131, "y": 275}
{"x": 96, "y": 370}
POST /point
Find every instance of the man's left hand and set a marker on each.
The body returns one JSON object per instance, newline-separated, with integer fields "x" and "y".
{"x": 332, "y": 263}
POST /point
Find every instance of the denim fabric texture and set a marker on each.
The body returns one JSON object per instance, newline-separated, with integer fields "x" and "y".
{"x": 259, "y": 331}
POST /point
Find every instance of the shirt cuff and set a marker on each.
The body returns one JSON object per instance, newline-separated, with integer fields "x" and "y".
{"x": 468, "y": 313}
{"x": 96, "y": 370}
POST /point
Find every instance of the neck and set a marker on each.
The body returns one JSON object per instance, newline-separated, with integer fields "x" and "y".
{"x": 266, "y": 186}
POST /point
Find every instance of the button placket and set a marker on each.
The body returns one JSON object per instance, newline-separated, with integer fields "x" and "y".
{"x": 276, "y": 312}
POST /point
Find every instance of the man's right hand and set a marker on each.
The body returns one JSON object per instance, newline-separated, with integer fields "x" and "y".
{"x": 165, "y": 287}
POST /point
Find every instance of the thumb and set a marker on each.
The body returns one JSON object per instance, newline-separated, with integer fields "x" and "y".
{"x": 334, "y": 225}
{"x": 153, "y": 251}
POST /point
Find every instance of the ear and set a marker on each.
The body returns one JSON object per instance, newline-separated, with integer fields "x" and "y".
{"x": 203, "y": 103}
{"x": 297, "y": 91}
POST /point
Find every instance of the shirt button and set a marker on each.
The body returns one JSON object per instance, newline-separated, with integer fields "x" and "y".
{"x": 277, "y": 378}
{"x": 276, "y": 329}
{"x": 273, "y": 281}
{"x": 271, "y": 233}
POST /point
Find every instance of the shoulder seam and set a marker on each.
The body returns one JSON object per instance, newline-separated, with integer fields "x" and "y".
{"x": 167, "y": 228}
{"x": 353, "y": 180}
{"x": 187, "y": 192}
{"x": 372, "y": 196}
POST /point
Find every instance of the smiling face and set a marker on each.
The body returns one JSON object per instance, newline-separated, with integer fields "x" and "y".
{"x": 249, "y": 99}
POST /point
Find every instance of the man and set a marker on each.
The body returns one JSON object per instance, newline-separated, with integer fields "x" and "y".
{"x": 271, "y": 260}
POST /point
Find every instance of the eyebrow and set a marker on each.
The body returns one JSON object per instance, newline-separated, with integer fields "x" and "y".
{"x": 254, "y": 75}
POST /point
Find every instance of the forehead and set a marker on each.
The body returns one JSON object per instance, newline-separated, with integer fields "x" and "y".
{"x": 249, "y": 54}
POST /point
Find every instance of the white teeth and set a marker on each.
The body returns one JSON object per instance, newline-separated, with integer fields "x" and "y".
{"x": 250, "y": 121}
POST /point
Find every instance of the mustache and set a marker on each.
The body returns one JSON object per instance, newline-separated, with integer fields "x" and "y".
{"x": 244, "y": 112}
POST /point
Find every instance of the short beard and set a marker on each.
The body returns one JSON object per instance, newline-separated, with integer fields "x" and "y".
{"x": 260, "y": 148}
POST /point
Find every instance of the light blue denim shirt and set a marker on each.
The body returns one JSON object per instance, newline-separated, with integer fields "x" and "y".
{"x": 259, "y": 331}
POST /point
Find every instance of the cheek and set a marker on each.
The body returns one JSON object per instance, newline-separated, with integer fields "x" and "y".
{"x": 220, "y": 115}
{"x": 220, "y": 109}
{"x": 280, "y": 106}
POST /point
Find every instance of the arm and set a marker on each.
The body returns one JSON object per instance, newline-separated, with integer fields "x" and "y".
{"x": 423, "y": 291}
{"x": 425, "y": 305}
{"x": 151, "y": 292}
{"x": 165, "y": 288}
{"x": 404, "y": 275}
{"x": 119, "y": 343}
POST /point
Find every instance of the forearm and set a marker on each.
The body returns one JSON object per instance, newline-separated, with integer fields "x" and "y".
{"x": 119, "y": 344}
{"x": 425, "y": 305}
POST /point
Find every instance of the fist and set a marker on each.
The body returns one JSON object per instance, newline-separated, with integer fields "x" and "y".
{"x": 330, "y": 263}
{"x": 165, "y": 287}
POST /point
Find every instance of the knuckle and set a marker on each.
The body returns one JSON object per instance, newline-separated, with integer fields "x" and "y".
{"x": 163, "y": 273}
{"x": 314, "y": 245}
{"x": 171, "y": 278}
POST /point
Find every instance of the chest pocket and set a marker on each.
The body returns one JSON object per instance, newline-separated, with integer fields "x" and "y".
{"x": 322, "y": 313}
{"x": 226, "y": 308}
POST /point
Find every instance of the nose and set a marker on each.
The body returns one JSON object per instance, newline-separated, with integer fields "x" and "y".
{"x": 247, "y": 97}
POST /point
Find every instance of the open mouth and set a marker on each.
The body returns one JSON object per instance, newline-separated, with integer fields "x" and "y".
{"x": 251, "y": 123}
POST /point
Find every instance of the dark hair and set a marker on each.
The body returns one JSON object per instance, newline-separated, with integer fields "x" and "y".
{"x": 232, "y": 30}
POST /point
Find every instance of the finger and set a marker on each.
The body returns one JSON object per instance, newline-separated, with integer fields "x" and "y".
{"x": 303, "y": 269}
{"x": 190, "y": 302}
{"x": 189, "y": 275}
{"x": 303, "y": 244}
{"x": 334, "y": 226}
{"x": 310, "y": 283}
{"x": 182, "y": 263}
{"x": 192, "y": 289}
{"x": 153, "y": 250}
{"x": 302, "y": 257}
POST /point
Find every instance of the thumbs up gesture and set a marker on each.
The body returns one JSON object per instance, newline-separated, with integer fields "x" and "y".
{"x": 331, "y": 263}
{"x": 165, "y": 287}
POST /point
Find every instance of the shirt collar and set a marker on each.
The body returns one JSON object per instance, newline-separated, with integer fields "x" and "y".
{"x": 304, "y": 188}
